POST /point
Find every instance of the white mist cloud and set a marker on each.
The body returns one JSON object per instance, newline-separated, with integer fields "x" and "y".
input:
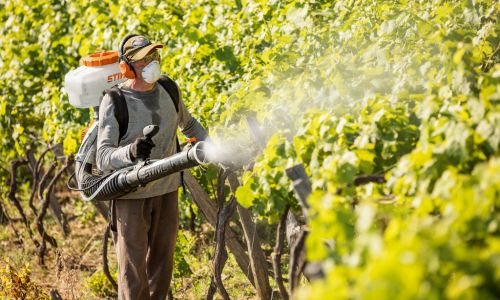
{"x": 337, "y": 82}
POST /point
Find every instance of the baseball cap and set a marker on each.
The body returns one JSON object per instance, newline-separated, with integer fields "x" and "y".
{"x": 135, "y": 48}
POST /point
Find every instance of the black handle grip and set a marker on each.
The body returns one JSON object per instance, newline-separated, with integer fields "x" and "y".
{"x": 150, "y": 131}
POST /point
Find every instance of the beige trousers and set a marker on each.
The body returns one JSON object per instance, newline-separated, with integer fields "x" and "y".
{"x": 145, "y": 245}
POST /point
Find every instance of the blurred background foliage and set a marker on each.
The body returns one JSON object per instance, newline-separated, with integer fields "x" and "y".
{"x": 409, "y": 89}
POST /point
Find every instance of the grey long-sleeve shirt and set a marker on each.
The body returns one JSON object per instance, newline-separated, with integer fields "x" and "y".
{"x": 144, "y": 108}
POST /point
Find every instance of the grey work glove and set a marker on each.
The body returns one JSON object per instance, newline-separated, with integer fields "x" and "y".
{"x": 141, "y": 148}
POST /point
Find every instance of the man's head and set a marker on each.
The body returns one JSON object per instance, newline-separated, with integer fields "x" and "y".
{"x": 136, "y": 53}
{"x": 137, "y": 47}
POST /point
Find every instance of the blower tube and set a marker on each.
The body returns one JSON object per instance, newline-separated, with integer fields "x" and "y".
{"x": 127, "y": 180}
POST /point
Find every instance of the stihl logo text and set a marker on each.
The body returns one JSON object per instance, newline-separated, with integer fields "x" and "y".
{"x": 115, "y": 76}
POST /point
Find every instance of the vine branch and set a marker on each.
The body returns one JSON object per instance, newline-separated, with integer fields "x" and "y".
{"x": 46, "y": 238}
{"x": 280, "y": 237}
{"x": 105, "y": 265}
{"x": 224, "y": 214}
{"x": 364, "y": 179}
{"x": 13, "y": 189}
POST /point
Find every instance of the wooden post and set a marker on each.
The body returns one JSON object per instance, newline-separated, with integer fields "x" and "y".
{"x": 303, "y": 188}
{"x": 293, "y": 228}
{"x": 301, "y": 185}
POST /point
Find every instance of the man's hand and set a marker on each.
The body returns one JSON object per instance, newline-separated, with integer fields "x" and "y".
{"x": 141, "y": 148}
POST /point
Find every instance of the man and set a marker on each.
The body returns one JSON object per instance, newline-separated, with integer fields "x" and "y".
{"x": 147, "y": 219}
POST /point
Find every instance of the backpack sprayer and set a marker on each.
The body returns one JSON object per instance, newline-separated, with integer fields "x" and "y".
{"x": 85, "y": 86}
{"x": 127, "y": 180}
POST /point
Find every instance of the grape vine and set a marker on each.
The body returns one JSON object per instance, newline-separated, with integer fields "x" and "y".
{"x": 391, "y": 107}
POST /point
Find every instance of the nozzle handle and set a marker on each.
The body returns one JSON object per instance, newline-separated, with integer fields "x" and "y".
{"x": 150, "y": 131}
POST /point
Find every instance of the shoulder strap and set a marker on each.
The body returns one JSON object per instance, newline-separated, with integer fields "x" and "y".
{"x": 171, "y": 87}
{"x": 173, "y": 90}
{"x": 120, "y": 109}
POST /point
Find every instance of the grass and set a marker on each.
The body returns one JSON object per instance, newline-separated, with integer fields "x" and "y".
{"x": 74, "y": 268}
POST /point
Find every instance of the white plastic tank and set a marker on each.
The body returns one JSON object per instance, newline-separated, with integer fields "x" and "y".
{"x": 86, "y": 84}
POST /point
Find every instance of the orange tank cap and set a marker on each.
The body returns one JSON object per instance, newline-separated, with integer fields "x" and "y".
{"x": 100, "y": 59}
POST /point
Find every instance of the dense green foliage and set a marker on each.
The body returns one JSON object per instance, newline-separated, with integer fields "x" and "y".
{"x": 410, "y": 90}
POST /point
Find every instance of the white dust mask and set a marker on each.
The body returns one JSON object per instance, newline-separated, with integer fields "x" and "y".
{"x": 151, "y": 73}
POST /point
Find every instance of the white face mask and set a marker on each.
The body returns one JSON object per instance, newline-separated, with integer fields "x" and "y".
{"x": 151, "y": 73}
